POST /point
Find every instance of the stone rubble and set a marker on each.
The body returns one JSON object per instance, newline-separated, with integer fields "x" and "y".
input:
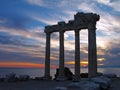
{"x": 84, "y": 85}
{"x": 103, "y": 81}
{"x": 60, "y": 88}
{"x": 96, "y": 83}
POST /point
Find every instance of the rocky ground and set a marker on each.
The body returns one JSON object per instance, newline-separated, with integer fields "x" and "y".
{"x": 115, "y": 84}
{"x": 46, "y": 85}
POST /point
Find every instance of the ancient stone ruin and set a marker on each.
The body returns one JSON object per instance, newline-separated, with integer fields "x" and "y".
{"x": 81, "y": 21}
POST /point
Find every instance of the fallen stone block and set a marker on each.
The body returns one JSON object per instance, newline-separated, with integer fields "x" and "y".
{"x": 103, "y": 81}
{"x": 68, "y": 74}
{"x": 83, "y": 85}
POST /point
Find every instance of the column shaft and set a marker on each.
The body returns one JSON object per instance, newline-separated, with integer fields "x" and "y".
{"x": 77, "y": 55}
{"x": 92, "y": 53}
{"x": 47, "y": 56}
{"x": 61, "y": 57}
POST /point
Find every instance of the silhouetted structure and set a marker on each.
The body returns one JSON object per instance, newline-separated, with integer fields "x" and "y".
{"x": 68, "y": 74}
{"x": 81, "y": 21}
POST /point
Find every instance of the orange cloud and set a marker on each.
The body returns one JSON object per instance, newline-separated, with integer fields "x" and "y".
{"x": 101, "y": 59}
{"x": 101, "y": 64}
{"x": 100, "y": 52}
{"x": 85, "y": 63}
{"x": 82, "y": 63}
{"x": 84, "y": 51}
{"x": 23, "y": 65}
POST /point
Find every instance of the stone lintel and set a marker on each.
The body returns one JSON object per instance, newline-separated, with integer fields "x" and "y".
{"x": 65, "y": 27}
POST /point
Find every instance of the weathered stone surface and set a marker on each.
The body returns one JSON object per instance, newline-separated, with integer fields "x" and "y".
{"x": 61, "y": 74}
{"x": 68, "y": 74}
{"x": 60, "y": 88}
{"x": 84, "y": 85}
{"x": 74, "y": 85}
{"x": 47, "y": 56}
{"x": 81, "y": 21}
{"x": 104, "y": 82}
{"x": 61, "y": 23}
{"x": 77, "y": 56}
{"x": 112, "y": 75}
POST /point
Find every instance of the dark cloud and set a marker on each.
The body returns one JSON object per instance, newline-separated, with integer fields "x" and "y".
{"x": 20, "y": 57}
{"x": 113, "y": 56}
{"x": 6, "y": 38}
{"x": 15, "y": 21}
{"x": 115, "y": 51}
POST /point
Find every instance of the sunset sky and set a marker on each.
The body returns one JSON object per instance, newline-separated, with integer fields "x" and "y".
{"x": 22, "y": 37}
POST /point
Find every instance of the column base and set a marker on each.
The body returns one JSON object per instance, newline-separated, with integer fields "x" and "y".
{"x": 61, "y": 78}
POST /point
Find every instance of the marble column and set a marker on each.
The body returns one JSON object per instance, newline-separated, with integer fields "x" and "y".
{"x": 92, "y": 53}
{"x": 61, "y": 57}
{"x": 77, "y": 56}
{"x": 47, "y": 57}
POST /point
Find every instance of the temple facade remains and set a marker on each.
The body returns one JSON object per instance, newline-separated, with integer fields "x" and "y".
{"x": 81, "y": 21}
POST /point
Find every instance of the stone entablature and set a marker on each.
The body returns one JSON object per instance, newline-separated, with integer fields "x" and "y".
{"x": 81, "y": 21}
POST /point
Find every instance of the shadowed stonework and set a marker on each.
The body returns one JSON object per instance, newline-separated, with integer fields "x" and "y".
{"x": 81, "y": 21}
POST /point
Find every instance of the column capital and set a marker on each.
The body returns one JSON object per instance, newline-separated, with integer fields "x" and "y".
{"x": 93, "y": 30}
{"x": 91, "y": 26}
{"x": 76, "y": 30}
